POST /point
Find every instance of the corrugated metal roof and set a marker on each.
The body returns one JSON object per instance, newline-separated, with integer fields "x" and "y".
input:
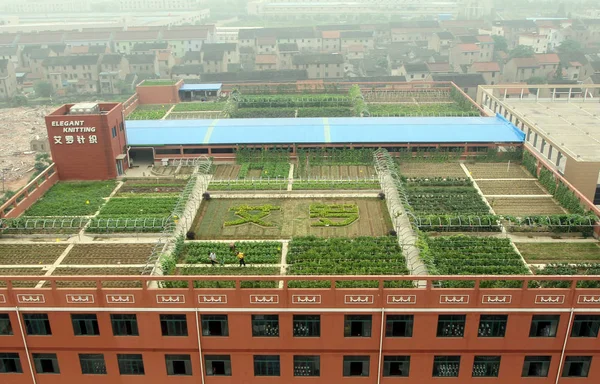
{"x": 200, "y": 87}
{"x": 323, "y": 130}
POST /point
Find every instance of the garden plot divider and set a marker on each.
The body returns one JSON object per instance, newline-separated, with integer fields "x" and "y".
{"x": 392, "y": 186}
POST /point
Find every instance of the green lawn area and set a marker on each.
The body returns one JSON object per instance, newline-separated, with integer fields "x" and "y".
{"x": 152, "y": 83}
{"x": 543, "y": 253}
{"x": 72, "y": 199}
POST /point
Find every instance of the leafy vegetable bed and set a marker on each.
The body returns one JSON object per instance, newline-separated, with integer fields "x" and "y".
{"x": 133, "y": 214}
{"x": 256, "y": 113}
{"x": 543, "y": 253}
{"x": 421, "y": 169}
{"x": 192, "y": 107}
{"x": 134, "y": 187}
{"x": 465, "y": 255}
{"x": 325, "y": 112}
{"x": 294, "y": 101}
{"x": 150, "y": 112}
{"x": 100, "y": 271}
{"x": 341, "y": 256}
{"x": 248, "y": 185}
{"x": 268, "y": 169}
{"x": 569, "y": 269}
{"x": 439, "y": 200}
{"x": 342, "y": 184}
{"x": 498, "y": 171}
{"x": 21, "y": 272}
{"x": 510, "y": 187}
{"x": 227, "y": 271}
{"x": 525, "y": 206}
{"x": 109, "y": 254}
{"x": 435, "y": 109}
{"x": 263, "y": 252}
{"x": 72, "y": 199}
{"x": 13, "y": 254}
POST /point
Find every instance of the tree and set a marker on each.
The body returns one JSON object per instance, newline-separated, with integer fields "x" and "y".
{"x": 43, "y": 89}
{"x": 569, "y": 46}
{"x": 558, "y": 74}
{"x": 521, "y": 51}
{"x": 500, "y": 43}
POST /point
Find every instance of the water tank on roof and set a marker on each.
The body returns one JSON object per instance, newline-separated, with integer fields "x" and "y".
{"x": 85, "y": 109}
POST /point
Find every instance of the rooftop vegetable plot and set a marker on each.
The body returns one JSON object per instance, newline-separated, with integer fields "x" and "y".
{"x": 591, "y": 269}
{"x": 98, "y": 271}
{"x": 88, "y": 254}
{"x": 249, "y": 270}
{"x": 334, "y": 172}
{"x": 510, "y": 187}
{"x": 293, "y": 101}
{"x": 544, "y": 253}
{"x": 264, "y": 169}
{"x": 525, "y": 206}
{"x": 152, "y": 188}
{"x": 498, "y": 171}
{"x": 194, "y": 107}
{"x": 263, "y": 252}
{"x": 21, "y": 272}
{"x": 149, "y": 112}
{"x": 226, "y": 171}
{"x": 291, "y": 219}
{"x": 248, "y": 185}
{"x": 133, "y": 214}
{"x": 444, "y": 196}
{"x": 30, "y": 254}
{"x": 341, "y": 184}
{"x": 466, "y": 255}
{"x": 72, "y": 199}
{"x": 341, "y": 256}
{"x": 423, "y": 169}
{"x": 421, "y": 109}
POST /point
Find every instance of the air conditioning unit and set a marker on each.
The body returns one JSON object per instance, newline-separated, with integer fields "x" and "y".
{"x": 85, "y": 109}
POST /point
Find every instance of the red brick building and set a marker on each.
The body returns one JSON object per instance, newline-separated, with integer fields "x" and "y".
{"x": 88, "y": 141}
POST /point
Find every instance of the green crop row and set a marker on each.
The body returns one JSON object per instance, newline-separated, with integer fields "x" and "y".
{"x": 193, "y": 107}
{"x": 256, "y": 113}
{"x": 226, "y": 271}
{"x": 343, "y": 256}
{"x": 328, "y": 185}
{"x": 445, "y": 200}
{"x": 263, "y": 252}
{"x": 335, "y": 156}
{"x": 465, "y": 255}
{"x": 325, "y": 112}
{"x": 72, "y": 199}
{"x": 568, "y": 269}
{"x": 147, "y": 114}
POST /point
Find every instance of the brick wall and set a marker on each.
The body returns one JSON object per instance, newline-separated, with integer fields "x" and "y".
{"x": 159, "y": 94}
{"x": 87, "y": 155}
{"x": 29, "y": 194}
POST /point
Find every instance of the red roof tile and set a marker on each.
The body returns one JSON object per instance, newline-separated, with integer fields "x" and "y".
{"x": 547, "y": 58}
{"x": 266, "y": 59}
{"x": 526, "y": 62}
{"x": 331, "y": 34}
{"x": 468, "y": 47}
{"x": 439, "y": 67}
{"x": 485, "y": 39}
{"x": 485, "y": 66}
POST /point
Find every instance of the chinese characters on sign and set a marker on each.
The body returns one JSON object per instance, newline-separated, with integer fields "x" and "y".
{"x": 75, "y": 126}
{"x": 69, "y": 139}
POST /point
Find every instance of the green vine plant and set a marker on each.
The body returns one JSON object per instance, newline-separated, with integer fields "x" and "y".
{"x": 326, "y": 212}
{"x": 252, "y": 214}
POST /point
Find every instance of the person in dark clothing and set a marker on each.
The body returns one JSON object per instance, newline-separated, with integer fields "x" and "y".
{"x": 240, "y": 256}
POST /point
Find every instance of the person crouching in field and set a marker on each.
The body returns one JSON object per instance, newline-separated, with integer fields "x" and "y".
{"x": 213, "y": 258}
{"x": 240, "y": 256}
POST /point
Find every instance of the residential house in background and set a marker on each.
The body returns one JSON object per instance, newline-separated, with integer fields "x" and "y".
{"x": 490, "y": 70}
{"x": 520, "y": 69}
{"x": 114, "y": 68}
{"x": 144, "y": 64}
{"x": 8, "y": 79}
{"x": 439, "y": 67}
{"x": 486, "y": 47}
{"x": 576, "y": 66}
{"x": 464, "y": 54}
{"x": 352, "y": 38}
{"x": 265, "y": 62}
{"x": 187, "y": 71}
{"x": 539, "y": 43}
{"x": 125, "y": 40}
{"x": 266, "y": 45}
{"x": 166, "y": 61}
{"x": 11, "y": 53}
{"x": 78, "y": 74}
{"x": 413, "y": 30}
{"x": 89, "y": 50}
{"x": 149, "y": 47}
{"x": 441, "y": 42}
{"x": 73, "y": 39}
{"x": 320, "y": 65}
{"x": 413, "y": 72}
{"x": 331, "y": 41}
{"x": 468, "y": 82}
{"x": 217, "y": 57}
{"x": 185, "y": 40}
{"x": 286, "y": 52}
{"x": 512, "y": 29}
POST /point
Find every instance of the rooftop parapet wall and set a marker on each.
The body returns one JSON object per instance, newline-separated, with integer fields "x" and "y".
{"x": 148, "y": 93}
{"x": 29, "y": 194}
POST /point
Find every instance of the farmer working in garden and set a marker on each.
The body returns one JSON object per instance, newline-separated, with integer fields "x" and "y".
{"x": 240, "y": 256}
{"x": 213, "y": 258}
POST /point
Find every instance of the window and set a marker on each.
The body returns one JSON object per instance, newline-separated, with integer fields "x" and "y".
{"x": 307, "y": 325}
{"x": 492, "y": 325}
{"x": 173, "y": 325}
{"x": 577, "y": 366}
{"x": 486, "y": 366}
{"x": 399, "y": 325}
{"x": 45, "y": 363}
{"x": 265, "y": 325}
{"x": 178, "y": 365}
{"x": 114, "y": 132}
{"x": 357, "y": 326}
{"x": 396, "y": 366}
{"x": 85, "y": 325}
{"x": 446, "y": 366}
{"x": 92, "y": 364}
{"x": 10, "y": 363}
{"x": 451, "y": 326}
{"x": 37, "y": 324}
{"x": 356, "y": 365}
{"x": 214, "y": 325}
{"x": 124, "y": 325}
{"x": 266, "y": 365}
{"x": 583, "y": 326}
{"x": 536, "y": 366}
{"x": 544, "y": 326}
{"x": 5, "y": 327}
{"x": 218, "y": 365}
{"x": 132, "y": 364}
{"x": 307, "y": 366}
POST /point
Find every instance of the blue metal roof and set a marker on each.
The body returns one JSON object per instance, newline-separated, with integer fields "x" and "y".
{"x": 323, "y": 130}
{"x": 200, "y": 87}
